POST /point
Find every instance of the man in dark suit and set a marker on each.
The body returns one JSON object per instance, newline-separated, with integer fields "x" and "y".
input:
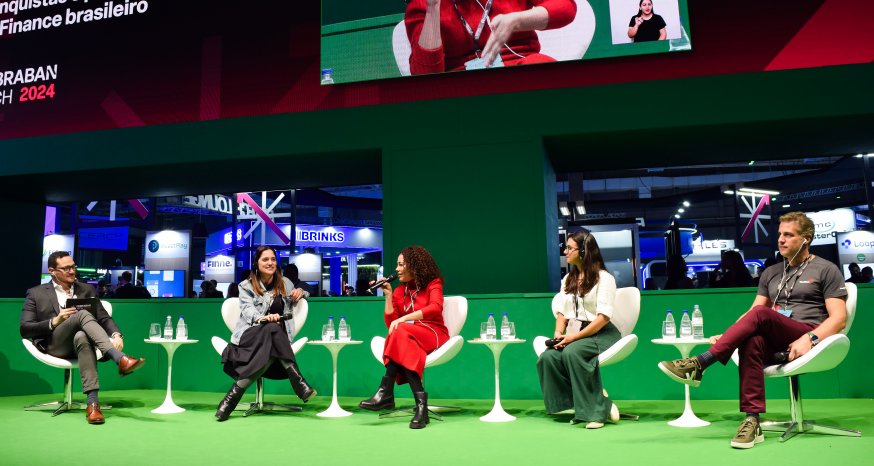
{"x": 66, "y": 333}
{"x": 127, "y": 290}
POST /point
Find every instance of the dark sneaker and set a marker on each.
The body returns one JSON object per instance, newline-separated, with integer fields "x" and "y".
{"x": 687, "y": 371}
{"x": 748, "y": 434}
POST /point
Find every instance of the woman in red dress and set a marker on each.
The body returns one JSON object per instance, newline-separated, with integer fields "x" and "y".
{"x": 414, "y": 317}
{"x": 441, "y": 41}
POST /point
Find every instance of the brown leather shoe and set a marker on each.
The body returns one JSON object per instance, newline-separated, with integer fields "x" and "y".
{"x": 93, "y": 414}
{"x": 128, "y": 364}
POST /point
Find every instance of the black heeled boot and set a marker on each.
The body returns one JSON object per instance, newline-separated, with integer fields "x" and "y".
{"x": 300, "y": 386}
{"x": 384, "y": 398}
{"x": 421, "y": 418}
{"x": 229, "y": 403}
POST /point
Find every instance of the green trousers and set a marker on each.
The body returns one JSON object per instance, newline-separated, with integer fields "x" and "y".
{"x": 571, "y": 378}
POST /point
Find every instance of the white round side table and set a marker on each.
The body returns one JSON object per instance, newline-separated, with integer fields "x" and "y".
{"x": 170, "y": 345}
{"x": 497, "y": 414}
{"x": 334, "y": 347}
{"x": 685, "y": 345}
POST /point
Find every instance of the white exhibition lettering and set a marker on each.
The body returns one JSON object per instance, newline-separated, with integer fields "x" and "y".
{"x": 829, "y": 223}
{"x": 218, "y": 203}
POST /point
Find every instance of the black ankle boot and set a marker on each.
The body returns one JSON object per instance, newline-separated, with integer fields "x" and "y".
{"x": 384, "y": 398}
{"x": 300, "y": 386}
{"x": 421, "y": 418}
{"x": 230, "y": 401}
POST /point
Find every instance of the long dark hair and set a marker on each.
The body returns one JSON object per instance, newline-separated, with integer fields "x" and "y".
{"x": 591, "y": 264}
{"x": 738, "y": 272}
{"x": 640, "y": 10}
{"x": 255, "y": 276}
{"x": 421, "y": 265}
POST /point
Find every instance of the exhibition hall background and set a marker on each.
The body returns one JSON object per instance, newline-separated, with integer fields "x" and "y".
{"x": 467, "y": 162}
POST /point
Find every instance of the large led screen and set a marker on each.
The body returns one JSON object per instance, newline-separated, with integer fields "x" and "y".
{"x": 380, "y": 39}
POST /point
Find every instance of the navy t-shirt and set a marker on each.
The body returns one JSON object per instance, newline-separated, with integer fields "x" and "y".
{"x": 648, "y": 30}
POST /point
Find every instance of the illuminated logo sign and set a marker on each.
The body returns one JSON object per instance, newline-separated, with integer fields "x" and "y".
{"x": 227, "y": 238}
{"x": 154, "y": 246}
{"x": 321, "y": 236}
{"x": 218, "y": 264}
{"x": 861, "y": 257}
{"x": 846, "y": 244}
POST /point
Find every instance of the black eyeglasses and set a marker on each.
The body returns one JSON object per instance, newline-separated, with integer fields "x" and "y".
{"x": 67, "y": 268}
{"x": 568, "y": 248}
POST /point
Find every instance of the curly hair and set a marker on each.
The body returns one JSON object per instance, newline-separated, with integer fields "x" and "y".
{"x": 421, "y": 265}
{"x": 805, "y": 224}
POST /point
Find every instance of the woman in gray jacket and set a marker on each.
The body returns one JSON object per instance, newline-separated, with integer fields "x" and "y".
{"x": 260, "y": 339}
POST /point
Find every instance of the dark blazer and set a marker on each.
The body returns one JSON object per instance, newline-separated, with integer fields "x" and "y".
{"x": 41, "y": 306}
{"x": 128, "y": 291}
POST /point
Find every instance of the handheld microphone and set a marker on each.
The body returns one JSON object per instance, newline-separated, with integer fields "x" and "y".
{"x": 282, "y": 318}
{"x": 385, "y": 280}
{"x": 782, "y": 357}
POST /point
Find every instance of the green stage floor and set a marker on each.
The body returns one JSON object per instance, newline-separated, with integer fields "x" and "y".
{"x": 133, "y": 435}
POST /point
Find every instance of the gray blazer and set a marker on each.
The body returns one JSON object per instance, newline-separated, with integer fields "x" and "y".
{"x": 41, "y": 306}
{"x": 253, "y": 307}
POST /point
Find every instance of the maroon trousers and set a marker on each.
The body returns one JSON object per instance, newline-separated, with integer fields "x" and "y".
{"x": 760, "y": 334}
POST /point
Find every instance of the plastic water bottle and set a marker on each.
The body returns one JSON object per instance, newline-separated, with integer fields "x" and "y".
{"x": 326, "y": 76}
{"x": 697, "y": 324}
{"x": 330, "y": 328}
{"x": 670, "y": 330}
{"x": 181, "y": 331}
{"x": 686, "y": 326}
{"x": 490, "y": 328}
{"x": 505, "y": 327}
{"x": 343, "y": 330}
{"x": 168, "y": 329}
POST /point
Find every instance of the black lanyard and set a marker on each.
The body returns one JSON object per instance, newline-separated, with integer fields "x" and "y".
{"x": 797, "y": 275}
{"x": 479, "y": 30}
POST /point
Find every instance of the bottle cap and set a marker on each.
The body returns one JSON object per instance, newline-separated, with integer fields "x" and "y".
{"x": 326, "y": 71}
{"x": 669, "y": 311}
{"x": 505, "y": 313}
{"x": 331, "y": 317}
{"x": 181, "y": 317}
{"x": 491, "y": 315}
{"x": 685, "y": 311}
{"x": 342, "y": 317}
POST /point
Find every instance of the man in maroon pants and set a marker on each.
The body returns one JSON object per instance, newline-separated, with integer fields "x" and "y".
{"x": 799, "y": 303}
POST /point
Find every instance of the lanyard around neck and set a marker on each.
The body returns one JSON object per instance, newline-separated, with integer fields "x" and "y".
{"x": 479, "y": 30}
{"x": 412, "y": 299}
{"x": 797, "y": 274}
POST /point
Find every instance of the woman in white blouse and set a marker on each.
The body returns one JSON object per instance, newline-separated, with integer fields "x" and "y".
{"x": 569, "y": 374}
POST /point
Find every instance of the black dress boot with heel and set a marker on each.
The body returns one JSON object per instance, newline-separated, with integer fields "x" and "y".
{"x": 384, "y": 397}
{"x": 229, "y": 403}
{"x": 300, "y": 386}
{"x": 421, "y": 418}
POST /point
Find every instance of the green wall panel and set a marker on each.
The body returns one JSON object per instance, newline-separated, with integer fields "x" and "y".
{"x": 469, "y": 375}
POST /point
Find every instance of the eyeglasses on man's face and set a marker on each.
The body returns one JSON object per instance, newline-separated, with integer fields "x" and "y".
{"x": 67, "y": 268}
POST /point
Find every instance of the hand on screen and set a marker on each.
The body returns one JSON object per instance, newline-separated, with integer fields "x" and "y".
{"x": 502, "y": 27}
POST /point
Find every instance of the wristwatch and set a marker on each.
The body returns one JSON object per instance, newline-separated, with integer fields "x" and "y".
{"x": 813, "y": 338}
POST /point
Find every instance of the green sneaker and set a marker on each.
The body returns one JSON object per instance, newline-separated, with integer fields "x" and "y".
{"x": 687, "y": 371}
{"x": 748, "y": 434}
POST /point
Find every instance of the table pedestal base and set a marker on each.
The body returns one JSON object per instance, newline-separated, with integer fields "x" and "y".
{"x": 168, "y": 407}
{"x": 688, "y": 418}
{"x": 497, "y": 414}
{"x": 334, "y": 410}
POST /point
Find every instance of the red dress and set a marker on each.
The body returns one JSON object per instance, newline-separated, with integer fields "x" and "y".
{"x": 457, "y": 45}
{"x": 410, "y": 344}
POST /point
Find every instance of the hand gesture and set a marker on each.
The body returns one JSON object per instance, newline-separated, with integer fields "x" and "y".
{"x": 296, "y": 294}
{"x": 502, "y": 27}
{"x": 566, "y": 340}
{"x": 394, "y": 325}
{"x": 714, "y": 339}
{"x": 269, "y": 318}
{"x": 63, "y": 315}
{"x": 386, "y": 288}
{"x": 799, "y": 347}
{"x": 638, "y": 21}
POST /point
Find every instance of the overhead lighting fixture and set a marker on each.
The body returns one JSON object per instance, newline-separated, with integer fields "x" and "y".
{"x": 786, "y": 206}
{"x": 752, "y": 162}
{"x": 729, "y": 192}
{"x": 758, "y": 191}
{"x": 681, "y": 210}
{"x": 686, "y": 203}
{"x": 677, "y": 215}
{"x": 581, "y": 209}
{"x": 563, "y": 208}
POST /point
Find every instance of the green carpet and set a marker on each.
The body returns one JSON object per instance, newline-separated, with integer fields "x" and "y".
{"x": 133, "y": 435}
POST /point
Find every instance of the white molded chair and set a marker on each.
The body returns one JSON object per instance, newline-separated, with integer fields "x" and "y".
{"x": 454, "y": 315}
{"x": 824, "y": 356}
{"x": 626, "y": 310}
{"x": 567, "y": 43}
{"x": 68, "y": 365}
{"x": 231, "y": 313}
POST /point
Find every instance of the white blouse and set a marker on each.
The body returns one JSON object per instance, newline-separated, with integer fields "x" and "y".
{"x": 599, "y": 300}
